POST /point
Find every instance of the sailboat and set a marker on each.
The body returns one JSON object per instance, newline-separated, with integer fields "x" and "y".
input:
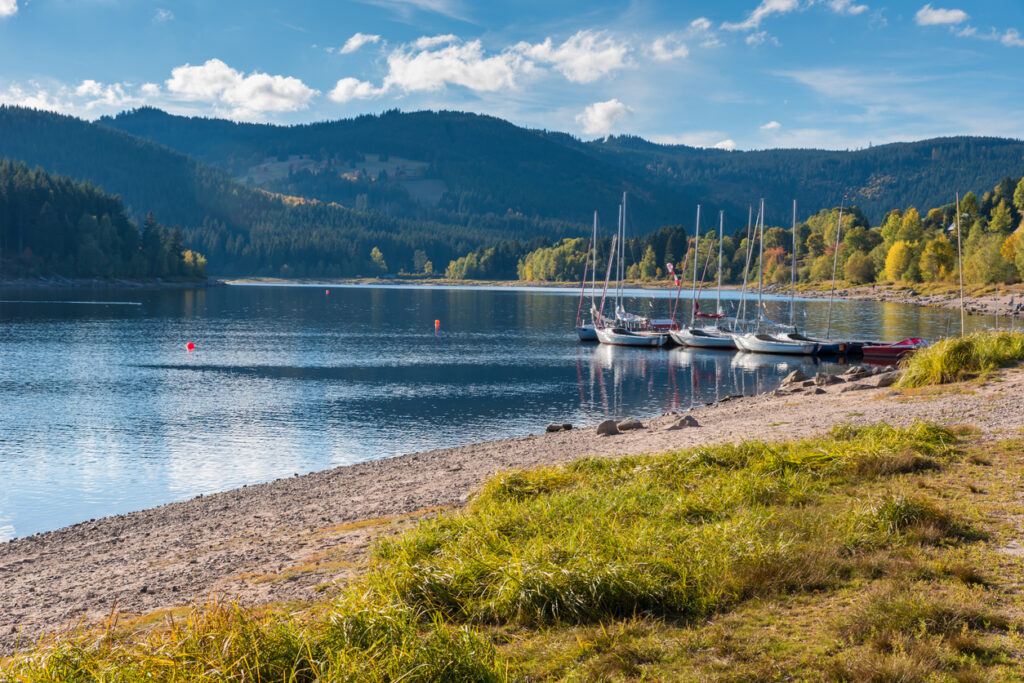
{"x": 792, "y": 335}
{"x": 588, "y": 332}
{"x": 628, "y": 329}
{"x": 706, "y": 337}
{"x": 757, "y": 341}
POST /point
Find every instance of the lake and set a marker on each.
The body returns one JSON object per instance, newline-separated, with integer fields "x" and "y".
{"x": 104, "y": 411}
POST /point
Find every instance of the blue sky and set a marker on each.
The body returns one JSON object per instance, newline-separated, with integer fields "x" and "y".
{"x": 741, "y": 74}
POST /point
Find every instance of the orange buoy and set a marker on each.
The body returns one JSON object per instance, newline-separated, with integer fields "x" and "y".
{"x": 190, "y": 346}
{"x": 437, "y": 324}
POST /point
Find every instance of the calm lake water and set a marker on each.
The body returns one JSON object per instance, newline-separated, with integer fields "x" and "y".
{"x": 103, "y": 411}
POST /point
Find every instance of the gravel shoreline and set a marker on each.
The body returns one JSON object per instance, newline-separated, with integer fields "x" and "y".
{"x": 291, "y": 539}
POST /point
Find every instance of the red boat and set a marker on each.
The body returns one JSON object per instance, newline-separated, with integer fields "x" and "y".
{"x": 890, "y": 353}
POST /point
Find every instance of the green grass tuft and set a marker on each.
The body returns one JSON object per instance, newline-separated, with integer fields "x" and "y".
{"x": 643, "y": 540}
{"x": 958, "y": 358}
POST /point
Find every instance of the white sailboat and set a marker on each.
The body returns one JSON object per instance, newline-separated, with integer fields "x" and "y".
{"x": 628, "y": 329}
{"x": 757, "y": 341}
{"x": 587, "y": 332}
{"x": 708, "y": 336}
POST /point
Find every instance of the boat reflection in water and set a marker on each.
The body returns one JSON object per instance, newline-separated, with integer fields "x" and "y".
{"x": 614, "y": 380}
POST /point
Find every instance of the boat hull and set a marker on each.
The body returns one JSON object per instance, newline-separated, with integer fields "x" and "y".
{"x": 587, "y": 333}
{"x": 626, "y": 338}
{"x": 890, "y": 353}
{"x": 762, "y": 343}
{"x": 702, "y": 339}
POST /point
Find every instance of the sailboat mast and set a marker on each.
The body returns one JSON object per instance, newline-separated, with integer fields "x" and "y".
{"x": 721, "y": 236}
{"x": 607, "y": 277}
{"x": 792, "y": 277}
{"x": 746, "y": 267}
{"x": 960, "y": 263}
{"x": 594, "y": 271}
{"x": 696, "y": 256}
{"x": 835, "y": 262}
{"x": 618, "y": 263}
{"x": 760, "y": 267}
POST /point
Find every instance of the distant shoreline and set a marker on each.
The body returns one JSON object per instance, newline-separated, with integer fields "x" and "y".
{"x": 987, "y": 300}
{"x": 58, "y": 282}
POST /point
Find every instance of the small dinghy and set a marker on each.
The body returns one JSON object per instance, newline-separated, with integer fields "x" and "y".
{"x": 587, "y": 333}
{"x": 825, "y": 346}
{"x": 620, "y": 336}
{"x": 703, "y": 337}
{"x": 890, "y": 353}
{"x": 764, "y": 343}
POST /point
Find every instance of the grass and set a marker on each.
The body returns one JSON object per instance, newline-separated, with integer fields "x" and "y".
{"x": 958, "y": 358}
{"x": 735, "y": 562}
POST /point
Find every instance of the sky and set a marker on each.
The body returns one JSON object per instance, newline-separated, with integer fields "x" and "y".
{"x": 733, "y": 74}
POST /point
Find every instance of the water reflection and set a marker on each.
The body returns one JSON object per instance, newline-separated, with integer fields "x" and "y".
{"x": 102, "y": 410}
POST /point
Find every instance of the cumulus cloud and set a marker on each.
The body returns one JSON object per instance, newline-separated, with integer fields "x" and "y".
{"x": 728, "y": 145}
{"x": 163, "y": 15}
{"x": 846, "y": 7}
{"x": 668, "y": 48}
{"x": 765, "y": 9}
{"x": 931, "y": 16}
{"x": 1012, "y": 38}
{"x": 357, "y": 41}
{"x": 432, "y": 63}
{"x": 700, "y": 30}
{"x": 8, "y": 7}
{"x": 217, "y": 83}
{"x": 600, "y": 117}
{"x": 353, "y": 89}
{"x": 584, "y": 57}
{"x": 464, "y": 64}
{"x": 771, "y": 126}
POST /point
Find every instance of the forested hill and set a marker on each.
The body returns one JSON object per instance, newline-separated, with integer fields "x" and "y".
{"x": 482, "y": 164}
{"x": 489, "y": 165}
{"x": 53, "y": 225}
{"x": 923, "y": 173}
{"x": 241, "y": 229}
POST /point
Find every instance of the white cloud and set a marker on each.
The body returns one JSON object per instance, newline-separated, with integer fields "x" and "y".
{"x": 728, "y": 145}
{"x": 1012, "y": 38}
{"x": 701, "y": 24}
{"x": 771, "y": 126}
{"x": 249, "y": 96}
{"x": 600, "y": 117}
{"x": 8, "y": 7}
{"x": 584, "y": 57}
{"x": 930, "y": 16}
{"x": 464, "y": 64}
{"x": 668, "y": 48}
{"x": 846, "y": 7}
{"x": 163, "y": 15}
{"x": 353, "y": 89}
{"x": 765, "y": 9}
{"x": 357, "y": 41}
{"x": 150, "y": 90}
{"x": 757, "y": 38}
{"x": 432, "y": 63}
{"x": 427, "y": 42}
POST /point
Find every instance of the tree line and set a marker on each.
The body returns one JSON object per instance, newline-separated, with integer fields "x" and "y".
{"x": 52, "y": 225}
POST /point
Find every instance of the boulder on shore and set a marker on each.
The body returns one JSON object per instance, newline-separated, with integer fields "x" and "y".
{"x": 794, "y": 377}
{"x": 630, "y": 424}
{"x": 608, "y": 428}
{"x": 684, "y": 422}
{"x": 823, "y": 379}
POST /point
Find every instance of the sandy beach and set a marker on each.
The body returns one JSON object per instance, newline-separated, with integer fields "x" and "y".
{"x": 293, "y": 538}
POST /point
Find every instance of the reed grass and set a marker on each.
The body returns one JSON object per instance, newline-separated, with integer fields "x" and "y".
{"x": 680, "y": 535}
{"x": 958, "y": 358}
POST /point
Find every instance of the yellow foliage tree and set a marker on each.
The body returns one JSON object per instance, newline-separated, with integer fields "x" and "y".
{"x": 898, "y": 260}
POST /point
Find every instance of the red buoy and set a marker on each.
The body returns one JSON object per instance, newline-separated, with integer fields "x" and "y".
{"x": 327, "y": 291}
{"x": 190, "y": 346}
{"x": 437, "y": 324}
